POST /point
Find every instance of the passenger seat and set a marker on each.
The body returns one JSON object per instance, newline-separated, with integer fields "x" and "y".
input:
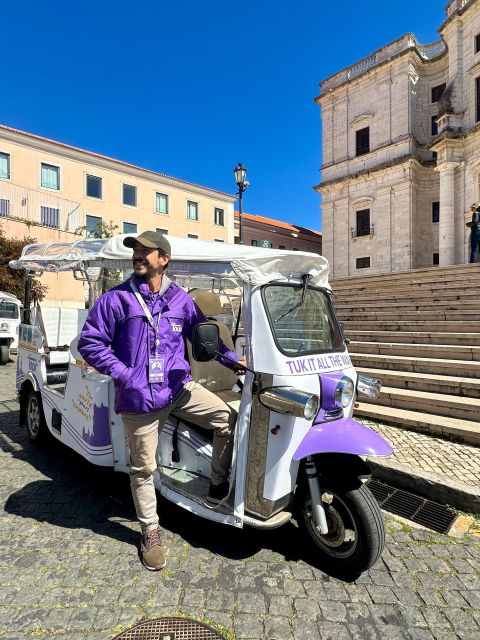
{"x": 213, "y": 375}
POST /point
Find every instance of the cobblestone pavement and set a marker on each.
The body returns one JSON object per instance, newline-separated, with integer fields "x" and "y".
{"x": 451, "y": 460}
{"x": 69, "y": 567}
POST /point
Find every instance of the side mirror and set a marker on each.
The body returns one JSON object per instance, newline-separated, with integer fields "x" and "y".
{"x": 342, "y": 330}
{"x": 205, "y": 341}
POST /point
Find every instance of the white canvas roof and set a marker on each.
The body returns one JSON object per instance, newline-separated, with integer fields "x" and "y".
{"x": 252, "y": 264}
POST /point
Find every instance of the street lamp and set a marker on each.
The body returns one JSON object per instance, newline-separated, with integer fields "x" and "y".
{"x": 242, "y": 183}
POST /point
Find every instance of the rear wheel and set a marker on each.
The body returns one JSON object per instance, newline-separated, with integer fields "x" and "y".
{"x": 37, "y": 429}
{"x": 356, "y": 531}
{"x": 4, "y": 354}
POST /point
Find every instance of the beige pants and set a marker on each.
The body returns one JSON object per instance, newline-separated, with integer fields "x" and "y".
{"x": 195, "y": 404}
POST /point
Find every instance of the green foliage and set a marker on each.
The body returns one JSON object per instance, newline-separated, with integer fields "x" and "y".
{"x": 101, "y": 230}
{"x": 13, "y": 280}
{"x": 111, "y": 277}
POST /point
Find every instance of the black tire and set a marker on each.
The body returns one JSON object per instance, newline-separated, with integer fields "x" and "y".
{"x": 356, "y": 536}
{"x": 4, "y": 354}
{"x": 35, "y": 424}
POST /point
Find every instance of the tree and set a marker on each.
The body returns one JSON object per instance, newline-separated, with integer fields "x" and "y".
{"x": 13, "y": 280}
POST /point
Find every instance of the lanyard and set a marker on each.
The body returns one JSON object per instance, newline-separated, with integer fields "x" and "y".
{"x": 147, "y": 313}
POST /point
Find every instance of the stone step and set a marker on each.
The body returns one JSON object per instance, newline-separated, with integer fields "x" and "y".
{"x": 426, "y": 402}
{"x": 457, "y": 326}
{"x": 465, "y": 315}
{"x": 433, "y": 383}
{"x": 415, "y": 337}
{"x": 451, "y": 428}
{"x": 438, "y": 283}
{"x": 436, "y": 294}
{"x": 430, "y": 274}
{"x": 440, "y": 366}
{"x": 411, "y": 307}
{"x": 442, "y": 351}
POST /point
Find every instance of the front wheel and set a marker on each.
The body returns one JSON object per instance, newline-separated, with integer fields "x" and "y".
{"x": 356, "y": 531}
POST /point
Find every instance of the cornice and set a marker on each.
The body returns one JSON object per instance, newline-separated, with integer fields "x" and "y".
{"x": 407, "y": 159}
{"x": 54, "y": 147}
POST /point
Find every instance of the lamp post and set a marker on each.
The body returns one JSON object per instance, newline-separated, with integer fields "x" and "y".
{"x": 242, "y": 183}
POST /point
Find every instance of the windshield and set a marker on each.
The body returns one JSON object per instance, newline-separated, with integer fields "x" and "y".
{"x": 8, "y": 310}
{"x": 309, "y": 328}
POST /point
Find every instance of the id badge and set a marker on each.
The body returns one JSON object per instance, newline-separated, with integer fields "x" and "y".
{"x": 156, "y": 366}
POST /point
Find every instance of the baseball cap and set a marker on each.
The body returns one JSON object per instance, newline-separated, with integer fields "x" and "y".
{"x": 151, "y": 239}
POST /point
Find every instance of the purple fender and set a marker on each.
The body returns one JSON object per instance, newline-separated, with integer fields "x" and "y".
{"x": 345, "y": 435}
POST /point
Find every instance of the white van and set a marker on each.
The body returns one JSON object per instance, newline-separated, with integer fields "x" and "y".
{"x": 9, "y": 321}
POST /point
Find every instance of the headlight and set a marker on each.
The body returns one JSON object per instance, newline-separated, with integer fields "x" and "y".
{"x": 369, "y": 387}
{"x": 344, "y": 392}
{"x": 4, "y": 326}
{"x": 290, "y": 401}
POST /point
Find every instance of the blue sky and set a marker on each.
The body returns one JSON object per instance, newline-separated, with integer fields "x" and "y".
{"x": 190, "y": 88}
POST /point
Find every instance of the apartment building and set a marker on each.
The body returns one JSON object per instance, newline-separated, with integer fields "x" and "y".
{"x": 401, "y": 151}
{"x": 259, "y": 231}
{"x": 53, "y": 191}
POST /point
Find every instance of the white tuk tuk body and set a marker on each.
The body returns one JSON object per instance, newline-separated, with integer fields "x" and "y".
{"x": 76, "y": 402}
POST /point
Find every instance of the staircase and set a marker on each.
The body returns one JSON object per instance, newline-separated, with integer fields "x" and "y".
{"x": 419, "y": 332}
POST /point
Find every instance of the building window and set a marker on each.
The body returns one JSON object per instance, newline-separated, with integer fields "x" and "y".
{"x": 219, "y": 217}
{"x": 434, "y": 155}
{"x": 477, "y": 43}
{"x": 437, "y": 92}
{"x": 281, "y": 246}
{"x": 192, "y": 210}
{"x": 363, "y": 222}
{"x": 436, "y": 259}
{"x": 236, "y": 240}
{"x": 164, "y": 231}
{"x": 434, "y": 125}
{"x": 50, "y": 217}
{"x": 94, "y": 187}
{"x": 192, "y": 236}
{"x": 218, "y": 240}
{"x": 93, "y": 225}
{"x": 435, "y": 211}
{"x": 161, "y": 203}
{"x": 363, "y": 263}
{"x": 362, "y": 138}
{"x": 50, "y": 176}
{"x": 129, "y": 195}
{"x": 254, "y": 243}
{"x": 5, "y": 165}
{"x": 477, "y": 99}
{"x": 4, "y": 207}
{"x": 129, "y": 227}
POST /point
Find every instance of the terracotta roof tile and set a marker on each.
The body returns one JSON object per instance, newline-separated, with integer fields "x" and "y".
{"x": 279, "y": 223}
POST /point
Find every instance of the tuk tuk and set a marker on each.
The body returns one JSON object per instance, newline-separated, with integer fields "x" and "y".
{"x": 298, "y": 452}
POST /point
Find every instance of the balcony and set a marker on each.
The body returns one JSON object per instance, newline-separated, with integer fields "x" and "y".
{"x": 38, "y": 207}
{"x": 364, "y": 230}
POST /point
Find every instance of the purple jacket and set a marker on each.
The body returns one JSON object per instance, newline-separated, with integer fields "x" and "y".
{"x": 117, "y": 339}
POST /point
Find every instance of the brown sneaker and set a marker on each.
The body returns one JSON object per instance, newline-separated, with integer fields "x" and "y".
{"x": 217, "y": 492}
{"x": 152, "y": 550}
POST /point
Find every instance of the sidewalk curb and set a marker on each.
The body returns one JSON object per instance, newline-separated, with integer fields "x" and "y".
{"x": 428, "y": 485}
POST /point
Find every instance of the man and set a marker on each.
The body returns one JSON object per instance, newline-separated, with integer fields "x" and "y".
{"x": 474, "y": 231}
{"x": 135, "y": 334}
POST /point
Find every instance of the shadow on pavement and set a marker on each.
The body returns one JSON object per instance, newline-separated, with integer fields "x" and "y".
{"x": 77, "y": 494}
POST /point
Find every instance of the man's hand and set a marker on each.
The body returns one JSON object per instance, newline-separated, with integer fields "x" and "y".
{"x": 239, "y": 368}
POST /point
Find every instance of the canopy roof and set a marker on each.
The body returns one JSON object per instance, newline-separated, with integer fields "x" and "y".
{"x": 252, "y": 264}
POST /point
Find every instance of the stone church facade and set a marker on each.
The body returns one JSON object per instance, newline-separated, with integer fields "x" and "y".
{"x": 401, "y": 151}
